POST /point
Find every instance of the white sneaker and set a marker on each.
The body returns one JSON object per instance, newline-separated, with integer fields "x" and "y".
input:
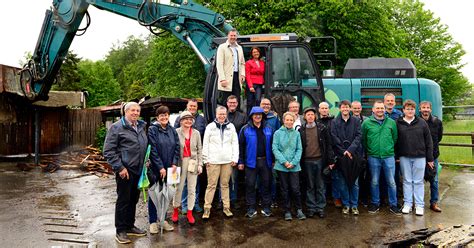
{"x": 167, "y": 226}
{"x": 154, "y": 228}
{"x": 406, "y": 209}
{"x": 419, "y": 211}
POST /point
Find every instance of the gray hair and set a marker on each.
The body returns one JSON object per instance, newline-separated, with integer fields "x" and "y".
{"x": 221, "y": 108}
{"x": 128, "y": 105}
{"x": 388, "y": 94}
{"x": 356, "y": 102}
{"x": 323, "y": 104}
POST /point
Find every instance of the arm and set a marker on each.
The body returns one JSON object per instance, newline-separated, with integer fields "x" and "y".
{"x": 241, "y": 63}
{"x": 357, "y": 138}
{"x": 364, "y": 134}
{"x": 235, "y": 145}
{"x": 440, "y": 132}
{"x": 337, "y": 145}
{"x": 197, "y": 139}
{"x": 428, "y": 142}
{"x": 276, "y": 149}
{"x": 248, "y": 67}
{"x": 205, "y": 145}
{"x": 299, "y": 150}
{"x": 154, "y": 154}
{"x": 331, "y": 157}
{"x": 220, "y": 62}
{"x": 111, "y": 152}
{"x": 177, "y": 148}
{"x": 242, "y": 145}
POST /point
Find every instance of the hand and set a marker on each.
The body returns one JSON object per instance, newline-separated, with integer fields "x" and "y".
{"x": 147, "y": 164}
{"x": 252, "y": 90}
{"x": 242, "y": 78}
{"x": 347, "y": 153}
{"x": 207, "y": 164}
{"x": 331, "y": 166}
{"x": 163, "y": 173}
{"x": 241, "y": 166}
{"x": 124, "y": 174}
{"x": 431, "y": 165}
{"x": 224, "y": 83}
{"x": 199, "y": 170}
{"x": 233, "y": 163}
{"x": 174, "y": 168}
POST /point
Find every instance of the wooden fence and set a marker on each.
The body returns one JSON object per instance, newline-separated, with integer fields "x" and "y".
{"x": 458, "y": 144}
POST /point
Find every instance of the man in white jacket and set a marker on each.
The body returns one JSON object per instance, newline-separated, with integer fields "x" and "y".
{"x": 220, "y": 153}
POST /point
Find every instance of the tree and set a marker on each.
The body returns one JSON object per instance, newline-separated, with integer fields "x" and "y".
{"x": 69, "y": 78}
{"x": 97, "y": 78}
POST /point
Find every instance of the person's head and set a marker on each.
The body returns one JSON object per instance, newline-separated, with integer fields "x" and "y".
{"x": 232, "y": 36}
{"x": 389, "y": 101}
{"x": 255, "y": 53}
{"x": 310, "y": 114}
{"x": 192, "y": 106}
{"x": 266, "y": 105}
{"x": 356, "y": 108}
{"x": 256, "y": 114}
{"x": 345, "y": 108}
{"x": 425, "y": 108}
{"x": 409, "y": 108}
{"x": 162, "y": 114}
{"x": 289, "y": 119}
{"x": 221, "y": 114}
{"x": 379, "y": 109}
{"x": 323, "y": 109}
{"x": 186, "y": 119}
{"x": 232, "y": 103}
{"x": 132, "y": 111}
{"x": 294, "y": 107}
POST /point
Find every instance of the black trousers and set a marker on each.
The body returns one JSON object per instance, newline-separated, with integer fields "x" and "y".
{"x": 290, "y": 181}
{"x": 127, "y": 199}
{"x": 265, "y": 175}
{"x": 235, "y": 90}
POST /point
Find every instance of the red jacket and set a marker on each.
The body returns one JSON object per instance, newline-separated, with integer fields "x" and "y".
{"x": 253, "y": 73}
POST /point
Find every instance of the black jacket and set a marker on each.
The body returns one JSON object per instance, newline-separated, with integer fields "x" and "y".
{"x": 436, "y": 130}
{"x": 324, "y": 143}
{"x": 346, "y": 136}
{"x": 326, "y": 121}
{"x": 238, "y": 119}
{"x": 165, "y": 149}
{"x": 414, "y": 139}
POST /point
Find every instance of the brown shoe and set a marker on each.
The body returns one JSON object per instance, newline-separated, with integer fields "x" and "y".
{"x": 435, "y": 207}
{"x": 338, "y": 203}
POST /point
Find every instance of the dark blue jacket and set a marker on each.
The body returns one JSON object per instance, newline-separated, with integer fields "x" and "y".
{"x": 273, "y": 121}
{"x": 346, "y": 136}
{"x": 164, "y": 147}
{"x": 248, "y": 145}
{"x": 395, "y": 114}
{"x": 124, "y": 147}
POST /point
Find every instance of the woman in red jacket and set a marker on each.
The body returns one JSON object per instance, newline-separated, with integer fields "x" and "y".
{"x": 254, "y": 73}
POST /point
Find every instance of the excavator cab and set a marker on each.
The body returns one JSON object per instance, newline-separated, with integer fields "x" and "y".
{"x": 291, "y": 72}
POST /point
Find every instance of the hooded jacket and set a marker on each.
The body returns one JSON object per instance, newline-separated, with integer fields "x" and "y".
{"x": 414, "y": 139}
{"x": 164, "y": 147}
{"x": 220, "y": 144}
{"x": 287, "y": 147}
{"x": 124, "y": 147}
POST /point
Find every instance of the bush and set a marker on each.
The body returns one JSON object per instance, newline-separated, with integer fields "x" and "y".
{"x": 100, "y": 137}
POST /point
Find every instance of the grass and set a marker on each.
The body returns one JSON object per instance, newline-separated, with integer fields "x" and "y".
{"x": 460, "y": 155}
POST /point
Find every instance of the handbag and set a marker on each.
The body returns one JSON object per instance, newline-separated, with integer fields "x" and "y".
{"x": 192, "y": 165}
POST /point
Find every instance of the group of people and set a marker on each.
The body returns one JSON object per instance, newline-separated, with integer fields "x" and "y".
{"x": 303, "y": 154}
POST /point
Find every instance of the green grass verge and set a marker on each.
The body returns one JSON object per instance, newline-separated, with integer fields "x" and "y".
{"x": 460, "y": 155}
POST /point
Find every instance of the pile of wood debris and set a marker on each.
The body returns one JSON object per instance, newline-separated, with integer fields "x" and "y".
{"x": 87, "y": 158}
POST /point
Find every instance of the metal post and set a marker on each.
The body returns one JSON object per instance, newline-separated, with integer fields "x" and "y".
{"x": 37, "y": 137}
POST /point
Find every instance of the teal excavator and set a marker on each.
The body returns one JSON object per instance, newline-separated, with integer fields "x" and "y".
{"x": 292, "y": 67}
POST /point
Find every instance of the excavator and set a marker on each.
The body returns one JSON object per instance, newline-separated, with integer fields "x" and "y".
{"x": 292, "y": 68}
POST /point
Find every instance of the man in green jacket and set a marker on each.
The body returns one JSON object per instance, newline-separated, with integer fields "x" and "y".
{"x": 379, "y": 135}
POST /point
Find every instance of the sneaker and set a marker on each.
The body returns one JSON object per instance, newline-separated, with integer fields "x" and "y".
{"x": 288, "y": 216}
{"x": 135, "y": 231}
{"x": 321, "y": 214}
{"x": 175, "y": 215}
{"x": 395, "y": 210}
{"x": 166, "y": 226}
{"x": 197, "y": 208}
{"x": 419, "y": 211}
{"x": 266, "y": 212}
{"x": 122, "y": 238}
{"x": 406, "y": 209}
{"x": 311, "y": 213}
{"x": 435, "y": 207}
{"x": 345, "y": 210}
{"x": 274, "y": 205}
{"x": 300, "y": 215}
{"x": 228, "y": 213}
{"x": 251, "y": 213}
{"x": 338, "y": 203}
{"x": 207, "y": 213}
{"x": 154, "y": 228}
{"x": 355, "y": 211}
{"x": 373, "y": 209}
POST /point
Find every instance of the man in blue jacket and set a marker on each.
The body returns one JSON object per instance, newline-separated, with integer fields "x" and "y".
{"x": 124, "y": 149}
{"x": 255, "y": 155}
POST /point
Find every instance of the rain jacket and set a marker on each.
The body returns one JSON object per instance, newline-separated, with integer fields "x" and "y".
{"x": 164, "y": 147}
{"x": 221, "y": 144}
{"x": 273, "y": 121}
{"x": 124, "y": 147}
{"x": 225, "y": 65}
{"x": 379, "y": 139}
{"x": 248, "y": 144}
{"x": 287, "y": 148}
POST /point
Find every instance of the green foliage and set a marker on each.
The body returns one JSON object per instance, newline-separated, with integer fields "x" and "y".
{"x": 97, "y": 78}
{"x": 69, "y": 77}
{"x": 100, "y": 137}
{"x": 462, "y": 155}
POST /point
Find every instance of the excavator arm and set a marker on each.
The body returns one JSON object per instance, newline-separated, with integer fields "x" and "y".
{"x": 190, "y": 22}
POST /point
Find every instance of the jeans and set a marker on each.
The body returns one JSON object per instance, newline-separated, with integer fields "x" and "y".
{"x": 434, "y": 190}
{"x": 413, "y": 171}
{"x": 315, "y": 189}
{"x": 387, "y": 165}
{"x": 335, "y": 185}
{"x": 127, "y": 199}
{"x": 253, "y": 99}
{"x": 265, "y": 175}
{"x": 290, "y": 181}
{"x": 349, "y": 195}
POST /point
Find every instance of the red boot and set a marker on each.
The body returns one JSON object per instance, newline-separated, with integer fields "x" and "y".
{"x": 190, "y": 217}
{"x": 175, "y": 216}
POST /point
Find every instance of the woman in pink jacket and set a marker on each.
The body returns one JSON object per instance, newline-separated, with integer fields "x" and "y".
{"x": 254, "y": 73}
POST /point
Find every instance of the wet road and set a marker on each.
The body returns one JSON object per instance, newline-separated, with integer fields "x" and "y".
{"x": 62, "y": 210}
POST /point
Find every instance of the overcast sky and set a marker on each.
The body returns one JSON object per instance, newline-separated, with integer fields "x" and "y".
{"x": 21, "y": 23}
